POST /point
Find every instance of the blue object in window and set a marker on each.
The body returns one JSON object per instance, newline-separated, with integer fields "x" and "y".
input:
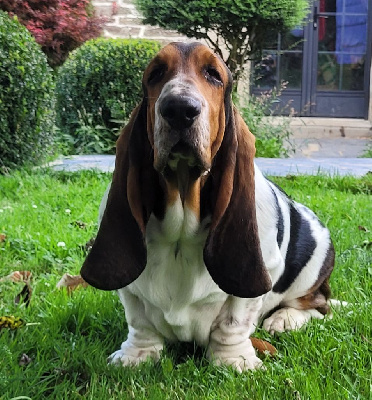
{"x": 351, "y": 30}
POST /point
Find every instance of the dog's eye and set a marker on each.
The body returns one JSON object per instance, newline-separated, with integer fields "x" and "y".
{"x": 212, "y": 75}
{"x": 157, "y": 74}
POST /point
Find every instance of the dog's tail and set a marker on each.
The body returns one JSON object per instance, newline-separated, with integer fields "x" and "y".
{"x": 264, "y": 347}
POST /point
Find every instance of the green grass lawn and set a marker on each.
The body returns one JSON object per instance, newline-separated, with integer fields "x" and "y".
{"x": 68, "y": 337}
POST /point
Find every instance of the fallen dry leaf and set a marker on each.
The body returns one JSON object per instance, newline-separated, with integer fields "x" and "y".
{"x": 80, "y": 224}
{"x": 17, "y": 276}
{"x": 24, "y": 360}
{"x": 264, "y": 347}
{"x": 2, "y": 237}
{"x": 11, "y": 322}
{"x": 24, "y": 295}
{"x": 71, "y": 282}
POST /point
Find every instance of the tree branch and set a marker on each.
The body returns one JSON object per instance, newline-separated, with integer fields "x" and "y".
{"x": 214, "y": 44}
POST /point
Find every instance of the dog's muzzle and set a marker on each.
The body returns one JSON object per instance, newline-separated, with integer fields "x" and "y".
{"x": 180, "y": 111}
{"x": 182, "y": 161}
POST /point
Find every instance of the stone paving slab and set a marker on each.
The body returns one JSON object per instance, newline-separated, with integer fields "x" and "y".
{"x": 103, "y": 163}
{"x": 269, "y": 166}
{"x": 314, "y": 166}
{"x": 329, "y": 147}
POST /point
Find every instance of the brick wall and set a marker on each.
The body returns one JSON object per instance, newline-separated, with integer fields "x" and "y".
{"x": 124, "y": 21}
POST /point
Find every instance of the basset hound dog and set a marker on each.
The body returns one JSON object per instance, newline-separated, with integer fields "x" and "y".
{"x": 199, "y": 244}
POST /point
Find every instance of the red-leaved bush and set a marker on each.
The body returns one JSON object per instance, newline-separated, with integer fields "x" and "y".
{"x": 59, "y": 26}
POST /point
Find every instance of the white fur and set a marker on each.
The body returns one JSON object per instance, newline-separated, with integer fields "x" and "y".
{"x": 175, "y": 298}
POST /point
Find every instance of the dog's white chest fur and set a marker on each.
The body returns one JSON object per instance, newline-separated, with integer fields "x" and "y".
{"x": 180, "y": 297}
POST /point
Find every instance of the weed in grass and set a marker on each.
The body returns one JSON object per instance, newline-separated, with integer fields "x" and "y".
{"x": 367, "y": 152}
{"x": 68, "y": 337}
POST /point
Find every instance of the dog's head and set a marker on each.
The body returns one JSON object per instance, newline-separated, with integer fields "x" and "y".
{"x": 186, "y": 88}
{"x": 185, "y": 140}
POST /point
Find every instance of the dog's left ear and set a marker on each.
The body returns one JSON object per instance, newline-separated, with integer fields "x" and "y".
{"x": 232, "y": 252}
{"x": 118, "y": 255}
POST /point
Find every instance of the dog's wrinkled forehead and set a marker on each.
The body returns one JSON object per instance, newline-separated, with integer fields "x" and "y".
{"x": 192, "y": 59}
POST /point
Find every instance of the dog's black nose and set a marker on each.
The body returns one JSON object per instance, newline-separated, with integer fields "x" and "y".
{"x": 180, "y": 112}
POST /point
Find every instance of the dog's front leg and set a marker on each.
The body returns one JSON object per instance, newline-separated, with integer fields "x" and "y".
{"x": 143, "y": 340}
{"x": 230, "y": 342}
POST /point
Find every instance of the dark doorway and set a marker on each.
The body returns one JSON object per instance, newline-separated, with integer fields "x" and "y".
{"x": 325, "y": 64}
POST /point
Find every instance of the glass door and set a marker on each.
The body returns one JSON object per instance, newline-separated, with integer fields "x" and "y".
{"x": 324, "y": 65}
{"x": 340, "y": 63}
{"x": 281, "y": 69}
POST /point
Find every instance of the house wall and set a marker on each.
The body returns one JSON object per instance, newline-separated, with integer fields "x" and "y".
{"x": 126, "y": 22}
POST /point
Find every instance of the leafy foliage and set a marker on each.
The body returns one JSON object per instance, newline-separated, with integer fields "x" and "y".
{"x": 272, "y": 137}
{"x": 59, "y": 26}
{"x": 242, "y": 26}
{"x": 26, "y": 97}
{"x": 368, "y": 151}
{"x": 89, "y": 138}
{"x": 97, "y": 88}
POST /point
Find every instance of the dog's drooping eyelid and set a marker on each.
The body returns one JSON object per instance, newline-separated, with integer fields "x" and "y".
{"x": 157, "y": 74}
{"x": 212, "y": 75}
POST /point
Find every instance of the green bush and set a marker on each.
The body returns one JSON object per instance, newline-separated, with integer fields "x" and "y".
{"x": 272, "y": 136}
{"x": 97, "y": 88}
{"x": 26, "y": 97}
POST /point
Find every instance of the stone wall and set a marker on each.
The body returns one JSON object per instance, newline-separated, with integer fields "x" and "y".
{"x": 124, "y": 21}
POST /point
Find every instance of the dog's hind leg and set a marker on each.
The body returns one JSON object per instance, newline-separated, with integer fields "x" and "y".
{"x": 293, "y": 314}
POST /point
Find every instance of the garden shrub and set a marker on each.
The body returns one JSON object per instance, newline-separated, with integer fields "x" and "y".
{"x": 97, "y": 88}
{"x": 59, "y": 26}
{"x": 26, "y": 97}
{"x": 272, "y": 137}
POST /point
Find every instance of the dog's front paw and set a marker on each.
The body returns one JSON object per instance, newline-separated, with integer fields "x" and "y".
{"x": 240, "y": 363}
{"x": 242, "y": 359}
{"x": 131, "y": 355}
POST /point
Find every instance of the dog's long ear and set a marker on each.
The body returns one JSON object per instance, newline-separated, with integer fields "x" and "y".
{"x": 118, "y": 255}
{"x": 232, "y": 252}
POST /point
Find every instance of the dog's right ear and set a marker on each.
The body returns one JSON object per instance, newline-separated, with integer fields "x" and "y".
{"x": 119, "y": 255}
{"x": 232, "y": 253}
